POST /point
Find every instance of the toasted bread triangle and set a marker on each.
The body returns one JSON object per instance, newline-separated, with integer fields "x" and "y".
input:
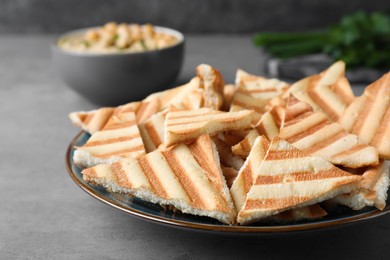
{"x": 186, "y": 177}
{"x": 244, "y": 180}
{"x": 255, "y": 93}
{"x": 288, "y": 178}
{"x": 185, "y": 126}
{"x": 313, "y": 133}
{"x": 328, "y": 92}
{"x": 247, "y": 174}
{"x": 120, "y": 138}
{"x": 369, "y": 116}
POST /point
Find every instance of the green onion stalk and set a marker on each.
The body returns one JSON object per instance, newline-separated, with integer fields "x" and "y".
{"x": 360, "y": 39}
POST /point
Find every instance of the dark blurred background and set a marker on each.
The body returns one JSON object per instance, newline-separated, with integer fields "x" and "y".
{"x": 202, "y": 16}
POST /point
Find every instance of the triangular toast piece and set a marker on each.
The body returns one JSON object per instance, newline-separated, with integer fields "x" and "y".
{"x": 328, "y": 92}
{"x": 288, "y": 178}
{"x": 313, "y": 133}
{"x": 255, "y": 92}
{"x": 186, "y": 177}
{"x": 372, "y": 190}
{"x": 259, "y": 87}
{"x": 185, "y": 126}
{"x": 246, "y": 176}
{"x": 120, "y": 138}
{"x": 369, "y": 116}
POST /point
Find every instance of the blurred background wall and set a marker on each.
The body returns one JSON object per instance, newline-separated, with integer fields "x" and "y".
{"x": 189, "y": 16}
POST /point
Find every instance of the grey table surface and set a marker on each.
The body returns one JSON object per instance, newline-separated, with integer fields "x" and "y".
{"x": 44, "y": 215}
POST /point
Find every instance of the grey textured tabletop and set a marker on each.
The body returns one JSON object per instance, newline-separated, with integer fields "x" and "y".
{"x": 44, "y": 215}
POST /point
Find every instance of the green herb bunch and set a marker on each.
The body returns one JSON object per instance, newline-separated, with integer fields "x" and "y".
{"x": 359, "y": 39}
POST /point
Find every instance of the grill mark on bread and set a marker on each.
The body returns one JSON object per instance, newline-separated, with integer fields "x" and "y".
{"x": 196, "y": 198}
{"x": 289, "y": 120}
{"x": 297, "y": 110}
{"x": 199, "y": 119}
{"x": 284, "y": 155}
{"x": 147, "y": 109}
{"x": 341, "y": 91}
{"x": 297, "y": 177}
{"x": 154, "y": 136}
{"x": 97, "y": 120}
{"x": 379, "y": 113}
{"x": 122, "y": 152}
{"x": 258, "y": 108}
{"x": 246, "y": 145}
{"x": 247, "y": 176}
{"x": 199, "y": 150}
{"x": 384, "y": 127}
{"x": 193, "y": 113}
{"x": 189, "y": 121}
{"x": 121, "y": 176}
{"x": 260, "y": 128}
{"x": 119, "y": 125}
{"x": 259, "y": 90}
{"x": 111, "y": 141}
{"x": 152, "y": 177}
{"x": 362, "y": 116}
{"x": 321, "y": 144}
{"x": 311, "y": 130}
{"x": 325, "y": 105}
{"x": 350, "y": 151}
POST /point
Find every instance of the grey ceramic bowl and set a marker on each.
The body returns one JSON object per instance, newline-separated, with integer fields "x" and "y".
{"x": 118, "y": 78}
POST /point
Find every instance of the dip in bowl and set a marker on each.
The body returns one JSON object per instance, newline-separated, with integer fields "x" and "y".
{"x": 111, "y": 70}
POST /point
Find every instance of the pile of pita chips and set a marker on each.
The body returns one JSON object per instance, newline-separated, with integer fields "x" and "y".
{"x": 258, "y": 150}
